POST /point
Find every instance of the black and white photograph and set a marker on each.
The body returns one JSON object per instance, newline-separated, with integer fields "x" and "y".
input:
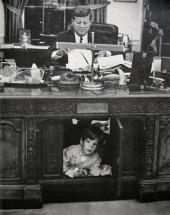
{"x": 84, "y": 107}
{"x": 24, "y": 36}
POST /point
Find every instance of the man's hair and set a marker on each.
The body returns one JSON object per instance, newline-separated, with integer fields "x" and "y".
{"x": 82, "y": 11}
{"x": 93, "y": 132}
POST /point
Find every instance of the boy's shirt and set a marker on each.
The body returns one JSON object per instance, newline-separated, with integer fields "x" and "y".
{"x": 72, "y": 158}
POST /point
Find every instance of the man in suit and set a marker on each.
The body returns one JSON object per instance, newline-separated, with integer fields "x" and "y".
{"x": 80, "y": 32}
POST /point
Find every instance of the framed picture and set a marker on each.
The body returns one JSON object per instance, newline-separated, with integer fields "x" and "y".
{"x": 126, "y": 0}
{"x": 24, "y": 36}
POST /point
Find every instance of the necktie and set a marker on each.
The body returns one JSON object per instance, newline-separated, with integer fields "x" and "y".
{"x": 81, "y": 39}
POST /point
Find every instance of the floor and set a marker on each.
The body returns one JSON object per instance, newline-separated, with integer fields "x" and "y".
{"x": 123, "y": 207}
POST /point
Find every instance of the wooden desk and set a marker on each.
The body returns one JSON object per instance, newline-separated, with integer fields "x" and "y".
{"x": 32, "y": 137}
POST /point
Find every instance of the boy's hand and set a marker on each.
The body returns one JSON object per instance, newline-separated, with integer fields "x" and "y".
{"x": 80, "y": 173}
{"x": 76, "y": 172}
{"x": 73, "y": 172}
{"x": 106, "y": 170}
{"x": 70, "y": 173}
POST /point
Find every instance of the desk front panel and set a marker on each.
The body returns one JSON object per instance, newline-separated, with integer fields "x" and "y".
{"x": 39, "y": 106}
{"x": 43, "y": 116}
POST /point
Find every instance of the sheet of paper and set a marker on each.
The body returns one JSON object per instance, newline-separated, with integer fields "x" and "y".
{"x": 109, "y": 62}
{"x": 156, "y": 65}
{"x": 79, "y": 59}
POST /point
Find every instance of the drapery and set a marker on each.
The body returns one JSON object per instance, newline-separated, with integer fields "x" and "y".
{"x": 2, "y": 23}
{"x": 100, "y": 12}
{"x": 13, "y": 21}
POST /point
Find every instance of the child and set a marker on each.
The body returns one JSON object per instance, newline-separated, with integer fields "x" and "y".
{"x": 82, "y": 159}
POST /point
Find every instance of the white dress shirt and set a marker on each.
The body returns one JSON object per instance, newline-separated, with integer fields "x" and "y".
{"x": 84, "y": 38}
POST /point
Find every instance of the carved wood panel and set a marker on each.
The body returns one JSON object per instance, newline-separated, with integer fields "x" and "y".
{"x": 50, "y": 141}
{"x": 149, "y": 150}
{"x": 37, "y": 107}
{"x": 132, "y": 145}
{"x": 164, "y": 146}
{"x": 138, "y": 106}
{"x": 128, "y": 106}
{"x": 11, "y": 147}
{"x": 31, "y": 151}
{"x": 67, "y": 106}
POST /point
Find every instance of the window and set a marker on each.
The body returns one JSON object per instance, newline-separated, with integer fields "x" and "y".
{"x": 49, "y": 17}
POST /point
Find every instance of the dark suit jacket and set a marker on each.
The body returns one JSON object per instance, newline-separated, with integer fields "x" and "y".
{"x": 99, "y": 37}
{"x": 68, "y": 36}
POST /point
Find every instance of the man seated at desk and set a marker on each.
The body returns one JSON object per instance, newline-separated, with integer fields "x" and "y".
{"x": 80, "y": 32}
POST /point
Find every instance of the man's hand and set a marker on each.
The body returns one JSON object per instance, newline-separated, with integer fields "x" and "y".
{"x": 58, "y": 54}
{"x": 104, "y": 54}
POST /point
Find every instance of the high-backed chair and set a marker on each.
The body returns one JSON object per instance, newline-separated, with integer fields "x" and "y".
{"x": 109, "y": 31}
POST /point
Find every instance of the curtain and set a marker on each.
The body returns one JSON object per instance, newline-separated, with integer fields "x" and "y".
{"x": 100, "y": 11}
{"x": 13, "y": 21}
{"x": 2, "y": 22}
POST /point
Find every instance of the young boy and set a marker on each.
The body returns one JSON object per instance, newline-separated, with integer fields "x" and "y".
{"x": 82, "y": 159}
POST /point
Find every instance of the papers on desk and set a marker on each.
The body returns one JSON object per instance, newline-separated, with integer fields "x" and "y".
{"x": 79, "y": 60}
{"x": 112, "y": 61}
{"x": 156, "y": 65}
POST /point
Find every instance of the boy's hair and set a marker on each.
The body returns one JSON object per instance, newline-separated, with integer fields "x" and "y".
{"x": 82, "y": 11}
{"x": 93, "y": 132}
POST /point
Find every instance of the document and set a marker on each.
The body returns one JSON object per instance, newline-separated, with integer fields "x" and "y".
{"x": 156, "y": 65}
{"x": 79, "y": 60}
{"x": 109, "y": 62}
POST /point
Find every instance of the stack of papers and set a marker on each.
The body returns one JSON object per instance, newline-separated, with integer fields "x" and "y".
{"x": 81, "y": 60}
{"x": 112, "y": 61}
